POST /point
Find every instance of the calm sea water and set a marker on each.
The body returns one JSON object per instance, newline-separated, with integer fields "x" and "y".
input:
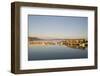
{"x": 55, "y": 52}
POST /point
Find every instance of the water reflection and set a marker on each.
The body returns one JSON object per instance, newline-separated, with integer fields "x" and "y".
{"x": 57, "y": 49}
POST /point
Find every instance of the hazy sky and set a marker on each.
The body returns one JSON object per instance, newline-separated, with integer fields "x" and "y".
{"x": 57, "y": 26}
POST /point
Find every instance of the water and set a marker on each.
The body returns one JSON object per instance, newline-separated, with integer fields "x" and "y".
{"x": 55, "y": 52}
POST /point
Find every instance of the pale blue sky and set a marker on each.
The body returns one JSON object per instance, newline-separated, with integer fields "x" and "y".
{"x": 58, "y": 26}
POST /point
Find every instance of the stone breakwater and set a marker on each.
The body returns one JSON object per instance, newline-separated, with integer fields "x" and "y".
{"x": 73, "y": 43}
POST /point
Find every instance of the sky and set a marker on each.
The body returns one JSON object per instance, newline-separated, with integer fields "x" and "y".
{"x": 44, "y": 26}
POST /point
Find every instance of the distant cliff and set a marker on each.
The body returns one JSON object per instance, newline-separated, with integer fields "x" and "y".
{"x": 33, "y": 38}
